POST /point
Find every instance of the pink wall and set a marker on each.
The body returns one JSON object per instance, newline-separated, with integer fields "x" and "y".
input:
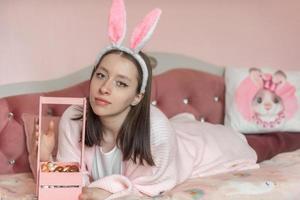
{"x": 50, "y": 38}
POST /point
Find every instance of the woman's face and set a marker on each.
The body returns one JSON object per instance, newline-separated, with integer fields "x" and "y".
{"x": 113, "y": 86}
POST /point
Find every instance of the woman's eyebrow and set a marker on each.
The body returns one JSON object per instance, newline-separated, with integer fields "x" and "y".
{"x": 119, "y": 75}
{"x": 103, "y": 68}
{"x": 123, "y": 77}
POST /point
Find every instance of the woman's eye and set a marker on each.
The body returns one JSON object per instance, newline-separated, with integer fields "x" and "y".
{"x": 100, "y": 75}
{"x": 259, "y": 100}
{"x": 121, "y": 84}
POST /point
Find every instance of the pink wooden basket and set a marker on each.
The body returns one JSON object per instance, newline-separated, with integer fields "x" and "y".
{"x": 60, "y": 185}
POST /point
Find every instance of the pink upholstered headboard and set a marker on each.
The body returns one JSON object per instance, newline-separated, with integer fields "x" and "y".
{"x": 175, "y": 91}
{"x": 193, "y": 91}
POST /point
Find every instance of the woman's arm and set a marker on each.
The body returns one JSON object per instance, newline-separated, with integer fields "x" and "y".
{"x": 69, "y": 145}
{"x": 148, "y": 180}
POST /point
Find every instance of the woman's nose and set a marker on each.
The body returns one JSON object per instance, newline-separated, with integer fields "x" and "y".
{"x": 105, "y": 88}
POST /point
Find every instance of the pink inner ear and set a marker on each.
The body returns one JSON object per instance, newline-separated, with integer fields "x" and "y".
{"x": 117, "y": 22}
{"x": 143, "y": 31}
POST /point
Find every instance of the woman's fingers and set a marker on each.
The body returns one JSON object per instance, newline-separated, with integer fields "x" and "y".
{"x": 50, "y": 130}
{"x": 83, "y": 197}
{"x": 36, "y": 127}
{"x": 94, "y": 193}
{"x": 85, "y": 190}
{"x": 84, "y": 194}
{"x": 36, "y": 123}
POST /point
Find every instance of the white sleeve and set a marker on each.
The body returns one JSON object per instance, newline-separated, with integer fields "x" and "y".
{"x": 69, "y": 136}
{"x": 69, "y": 148}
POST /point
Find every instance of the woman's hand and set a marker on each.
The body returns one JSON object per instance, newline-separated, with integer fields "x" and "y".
{"x": 93, "y": 194}
{"x": 47, "y": 142}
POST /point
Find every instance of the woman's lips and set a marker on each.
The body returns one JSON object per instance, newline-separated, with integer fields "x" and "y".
{"x": 101, "y": 102}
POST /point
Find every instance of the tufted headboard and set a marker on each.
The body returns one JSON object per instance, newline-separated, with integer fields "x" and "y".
{"x": 188, "y": 90}
{"x": 174, "y": 91}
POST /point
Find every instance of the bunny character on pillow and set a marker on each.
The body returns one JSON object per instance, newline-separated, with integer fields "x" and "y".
{"x": 265, "y": 99}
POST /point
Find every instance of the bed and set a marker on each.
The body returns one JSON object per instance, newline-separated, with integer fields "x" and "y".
{"x": 180, "y": 84}
{"x": 277, "y": 178}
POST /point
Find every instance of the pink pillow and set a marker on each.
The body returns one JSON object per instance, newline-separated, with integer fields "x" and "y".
{"x": 28, "y": 120}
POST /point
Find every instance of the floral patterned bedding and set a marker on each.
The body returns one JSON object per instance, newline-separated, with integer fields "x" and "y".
{"x": 278, "y": 178}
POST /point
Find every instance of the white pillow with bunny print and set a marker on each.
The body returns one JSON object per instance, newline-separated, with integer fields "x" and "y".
{"x": 262, "y": 100}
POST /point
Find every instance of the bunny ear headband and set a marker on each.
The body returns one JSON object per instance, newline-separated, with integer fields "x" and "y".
{"x": 140, "y": 35}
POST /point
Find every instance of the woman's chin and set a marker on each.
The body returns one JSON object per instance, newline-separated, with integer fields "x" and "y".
{"x": 98, "y": 109}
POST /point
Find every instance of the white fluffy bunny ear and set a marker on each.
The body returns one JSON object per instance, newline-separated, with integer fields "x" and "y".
{"x": 117, "y": 22}
{"x": 144, "y": 30}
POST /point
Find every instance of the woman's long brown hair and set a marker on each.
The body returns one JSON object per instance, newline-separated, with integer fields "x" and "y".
{"x": 134, "y": 136}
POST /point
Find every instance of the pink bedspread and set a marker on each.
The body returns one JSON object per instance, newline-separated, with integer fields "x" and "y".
{"x": 278, "y": 178}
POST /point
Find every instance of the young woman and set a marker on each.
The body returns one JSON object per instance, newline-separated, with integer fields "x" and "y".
{"x": 131, "y": 146}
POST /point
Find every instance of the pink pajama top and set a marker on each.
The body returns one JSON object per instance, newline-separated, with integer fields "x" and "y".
{"x": 181, "y": 148}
